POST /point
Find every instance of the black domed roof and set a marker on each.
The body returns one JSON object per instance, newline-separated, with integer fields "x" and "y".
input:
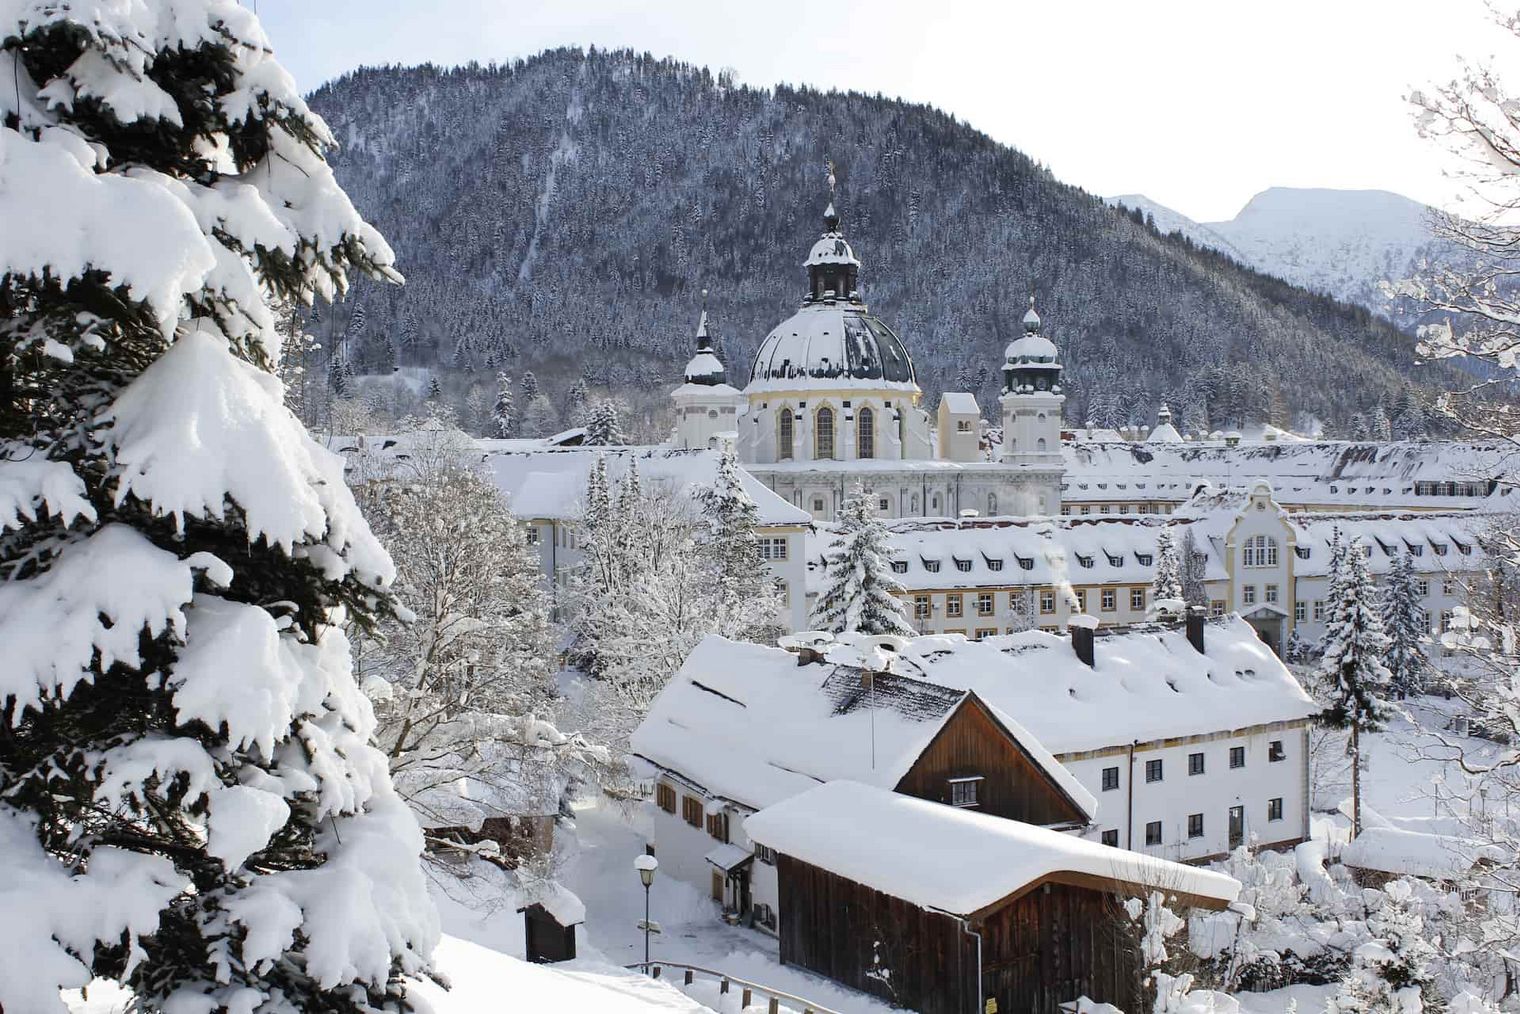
{"x": 832, "y": 341}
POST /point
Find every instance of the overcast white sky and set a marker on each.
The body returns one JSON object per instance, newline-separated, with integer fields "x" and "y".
{"x": 1198, "y": 105}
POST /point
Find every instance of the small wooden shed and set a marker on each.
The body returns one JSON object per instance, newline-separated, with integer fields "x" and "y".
{"x": 943, "y": 909}
{"x": 549, "y": 925}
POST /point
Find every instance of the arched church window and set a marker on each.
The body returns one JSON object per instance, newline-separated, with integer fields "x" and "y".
{"x": 1039, "y": 444}
{"x": 823, "y": 440}
{"x": 865, "y": 433}
{"x": 785, "y": 425}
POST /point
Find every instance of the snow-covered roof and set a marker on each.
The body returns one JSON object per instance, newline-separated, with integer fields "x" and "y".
{"x": 1322, "y": 473}
{"x": 951, "y": 859}
{"x": 1147, "y": 683}
{"x": 550, "y": 483}
{"x": 1164, "y": 433}
{"x": 831, "y": 248}
{"x": 1023, "y": 552}
{"x": 750, "y": 724}
{"x": 1412, "y": 853}
{"x": 704, "y": 369}
{"x": 1440, "y": 541}
{"x": 832, "y": 344}
{"x": 1030, "y": 348}
{"x": 960, "y": 403}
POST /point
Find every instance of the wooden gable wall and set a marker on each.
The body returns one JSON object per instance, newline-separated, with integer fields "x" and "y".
{"x": 972, "y": 743}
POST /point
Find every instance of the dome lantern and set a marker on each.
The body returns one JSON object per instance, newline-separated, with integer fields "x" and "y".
{"x": 1029, "y": 362}
{"x": 705, "y": 367}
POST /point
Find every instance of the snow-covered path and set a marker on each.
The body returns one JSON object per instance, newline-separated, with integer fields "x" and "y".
{"x": 602, "y": 875}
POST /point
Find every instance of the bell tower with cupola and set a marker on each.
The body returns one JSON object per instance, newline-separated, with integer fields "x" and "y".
{"x": 1032, "y": 402}
{"x": 707, "y": 408}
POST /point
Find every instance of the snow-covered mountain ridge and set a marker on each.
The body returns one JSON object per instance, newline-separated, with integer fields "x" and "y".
{"x": 1344, "y": 243}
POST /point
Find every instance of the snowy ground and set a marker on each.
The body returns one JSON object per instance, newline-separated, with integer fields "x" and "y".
{"x": 602, "y": 874}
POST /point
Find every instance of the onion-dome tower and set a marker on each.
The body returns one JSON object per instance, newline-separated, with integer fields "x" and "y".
{"x": 1032, "y": 402}
{"x": 707, "y": 408}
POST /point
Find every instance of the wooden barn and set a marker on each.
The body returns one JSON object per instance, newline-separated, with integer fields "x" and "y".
{"x": 943, "y": 909}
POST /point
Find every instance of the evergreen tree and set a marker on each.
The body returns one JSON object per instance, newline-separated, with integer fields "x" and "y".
{"x": 1404, "y": 623}
{"x": 539, "y": 418}
{"x": 1167, "y": 584}
{"x": 743, "y": 592}
{"x": 503, "y": 413}
{"x": 435, "y": 392}
{"x": 575, "y": 401}
{"x": 1351, "y": 669}
{"x": 603, "y": 427}
{"x": 859, "y": 593}
{"x": 529, "y": 386}
{"x": 1193, "y": 575}
{"x": 191, "y": 806}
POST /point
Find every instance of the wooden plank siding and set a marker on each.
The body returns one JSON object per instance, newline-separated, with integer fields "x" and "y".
{"x": 974, "y": 743}
{"x": 851, "y": 933}
{"x": 1039, "y": 949}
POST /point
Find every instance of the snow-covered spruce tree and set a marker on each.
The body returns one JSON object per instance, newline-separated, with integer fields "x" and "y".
{"x": 539, "y": 418}
{"x": 503, "y": 412}
{"x": 463, "y": 692}
{"x": 859, "y": 592}
{"x": 745, "y": 598}
{"x": 1167, "y": 583}
{"x": 189, "y": 804}
{"x": 1352, "y": 674}
{"x": 602, "y": 425}
{"x": 1404, "y": 623}
{"x": 1191, "y": 570}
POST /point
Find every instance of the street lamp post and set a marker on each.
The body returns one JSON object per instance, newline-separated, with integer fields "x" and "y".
{"x": 646, "y": 865}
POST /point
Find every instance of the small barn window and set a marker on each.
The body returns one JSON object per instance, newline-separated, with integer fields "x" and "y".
{"x": 964, "y": 791}
{"x": 691, "y": 811}
{"x": 665, "y": 796}
{"x": 765, "y": 855}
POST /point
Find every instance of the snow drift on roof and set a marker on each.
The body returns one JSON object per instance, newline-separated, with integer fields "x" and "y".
{"x": 1412, "y": 853}
{"x": 881, "y": 839}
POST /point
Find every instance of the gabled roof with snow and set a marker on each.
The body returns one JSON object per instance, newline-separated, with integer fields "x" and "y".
{"x": 1148, "y": 683}
{"x": 960, "y": 403}
{"x": 955, "y": 860}
{"x": 1325, "y": 473}
{"x": 550, "y": 483}
{"x": 749, "y": 724}
{"x": 1439, "y": 541}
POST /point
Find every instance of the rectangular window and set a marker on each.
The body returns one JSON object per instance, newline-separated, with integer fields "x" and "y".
{"x": 1272, "y": 594}
{"x": 1081, "y": 600}
{"x": 920, "y": 607}
{"x": 665, "y": 797}
{"x": 1275, "y": 751}
{"x": 1110, "y": 779}
{"x": 1109, "y": 600}
{"x": 775, "y": 549}
{"x": 1195, "y": 825}
{"x": 1047, "y": 601}
{"x": 765, "y": 855}
{"x": 963, "y": 791}
{"x": 1216, "y": 607}
{"x": 1153, "y": 833}
{"x": 1086, "y": 508}
{"x": 1300, "y": 611}
{"x": 982, "y": 632}
{"x": 1111, "y": 838}
{"x": 1448, "y": 587}
{"x": 691, "y": 811}
{"x": 1274, "y": 809}
{"x": 1137, "y": 599}
{"x": 1422, "y": 586}
{"x": 1153, "y": 771}
{"x": 533, "y": 535}
{"x": 1195, "y": 763}
{"x": 883, "y": 505}
{"x": 1237, "y": 756}
{"x": 717, "y": 826}
{"x": 1319, "y": 610}
{"x": 984, "y": 603}
{"x": 953, "y": 605}
{"x": 1248, "y": 595}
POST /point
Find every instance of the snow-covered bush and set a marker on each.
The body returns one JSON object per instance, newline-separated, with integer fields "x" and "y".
{"x": 190, "y": 803}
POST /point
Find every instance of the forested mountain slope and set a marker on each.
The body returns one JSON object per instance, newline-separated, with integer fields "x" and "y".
{"x": 562, "y": 214}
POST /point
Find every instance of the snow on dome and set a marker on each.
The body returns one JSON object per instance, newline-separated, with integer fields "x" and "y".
{"x": 1030, "y": 348}
{"x": 880, "y": 839}
{"x": 831, "y": 248}
{"x": 837, "y": 342}
{"x": 705, "y": 368}
{"x": 1031, "y": 319}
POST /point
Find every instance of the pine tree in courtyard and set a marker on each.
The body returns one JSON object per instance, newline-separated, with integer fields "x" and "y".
{"x": 503, "y": 413}
{"x": 1167, "y": 584}
{"x": 189, "y": 804}
{"x": 1351, "y": 670}
{"x": 1404, "y": 623}
{"x": 860, "y": 594}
